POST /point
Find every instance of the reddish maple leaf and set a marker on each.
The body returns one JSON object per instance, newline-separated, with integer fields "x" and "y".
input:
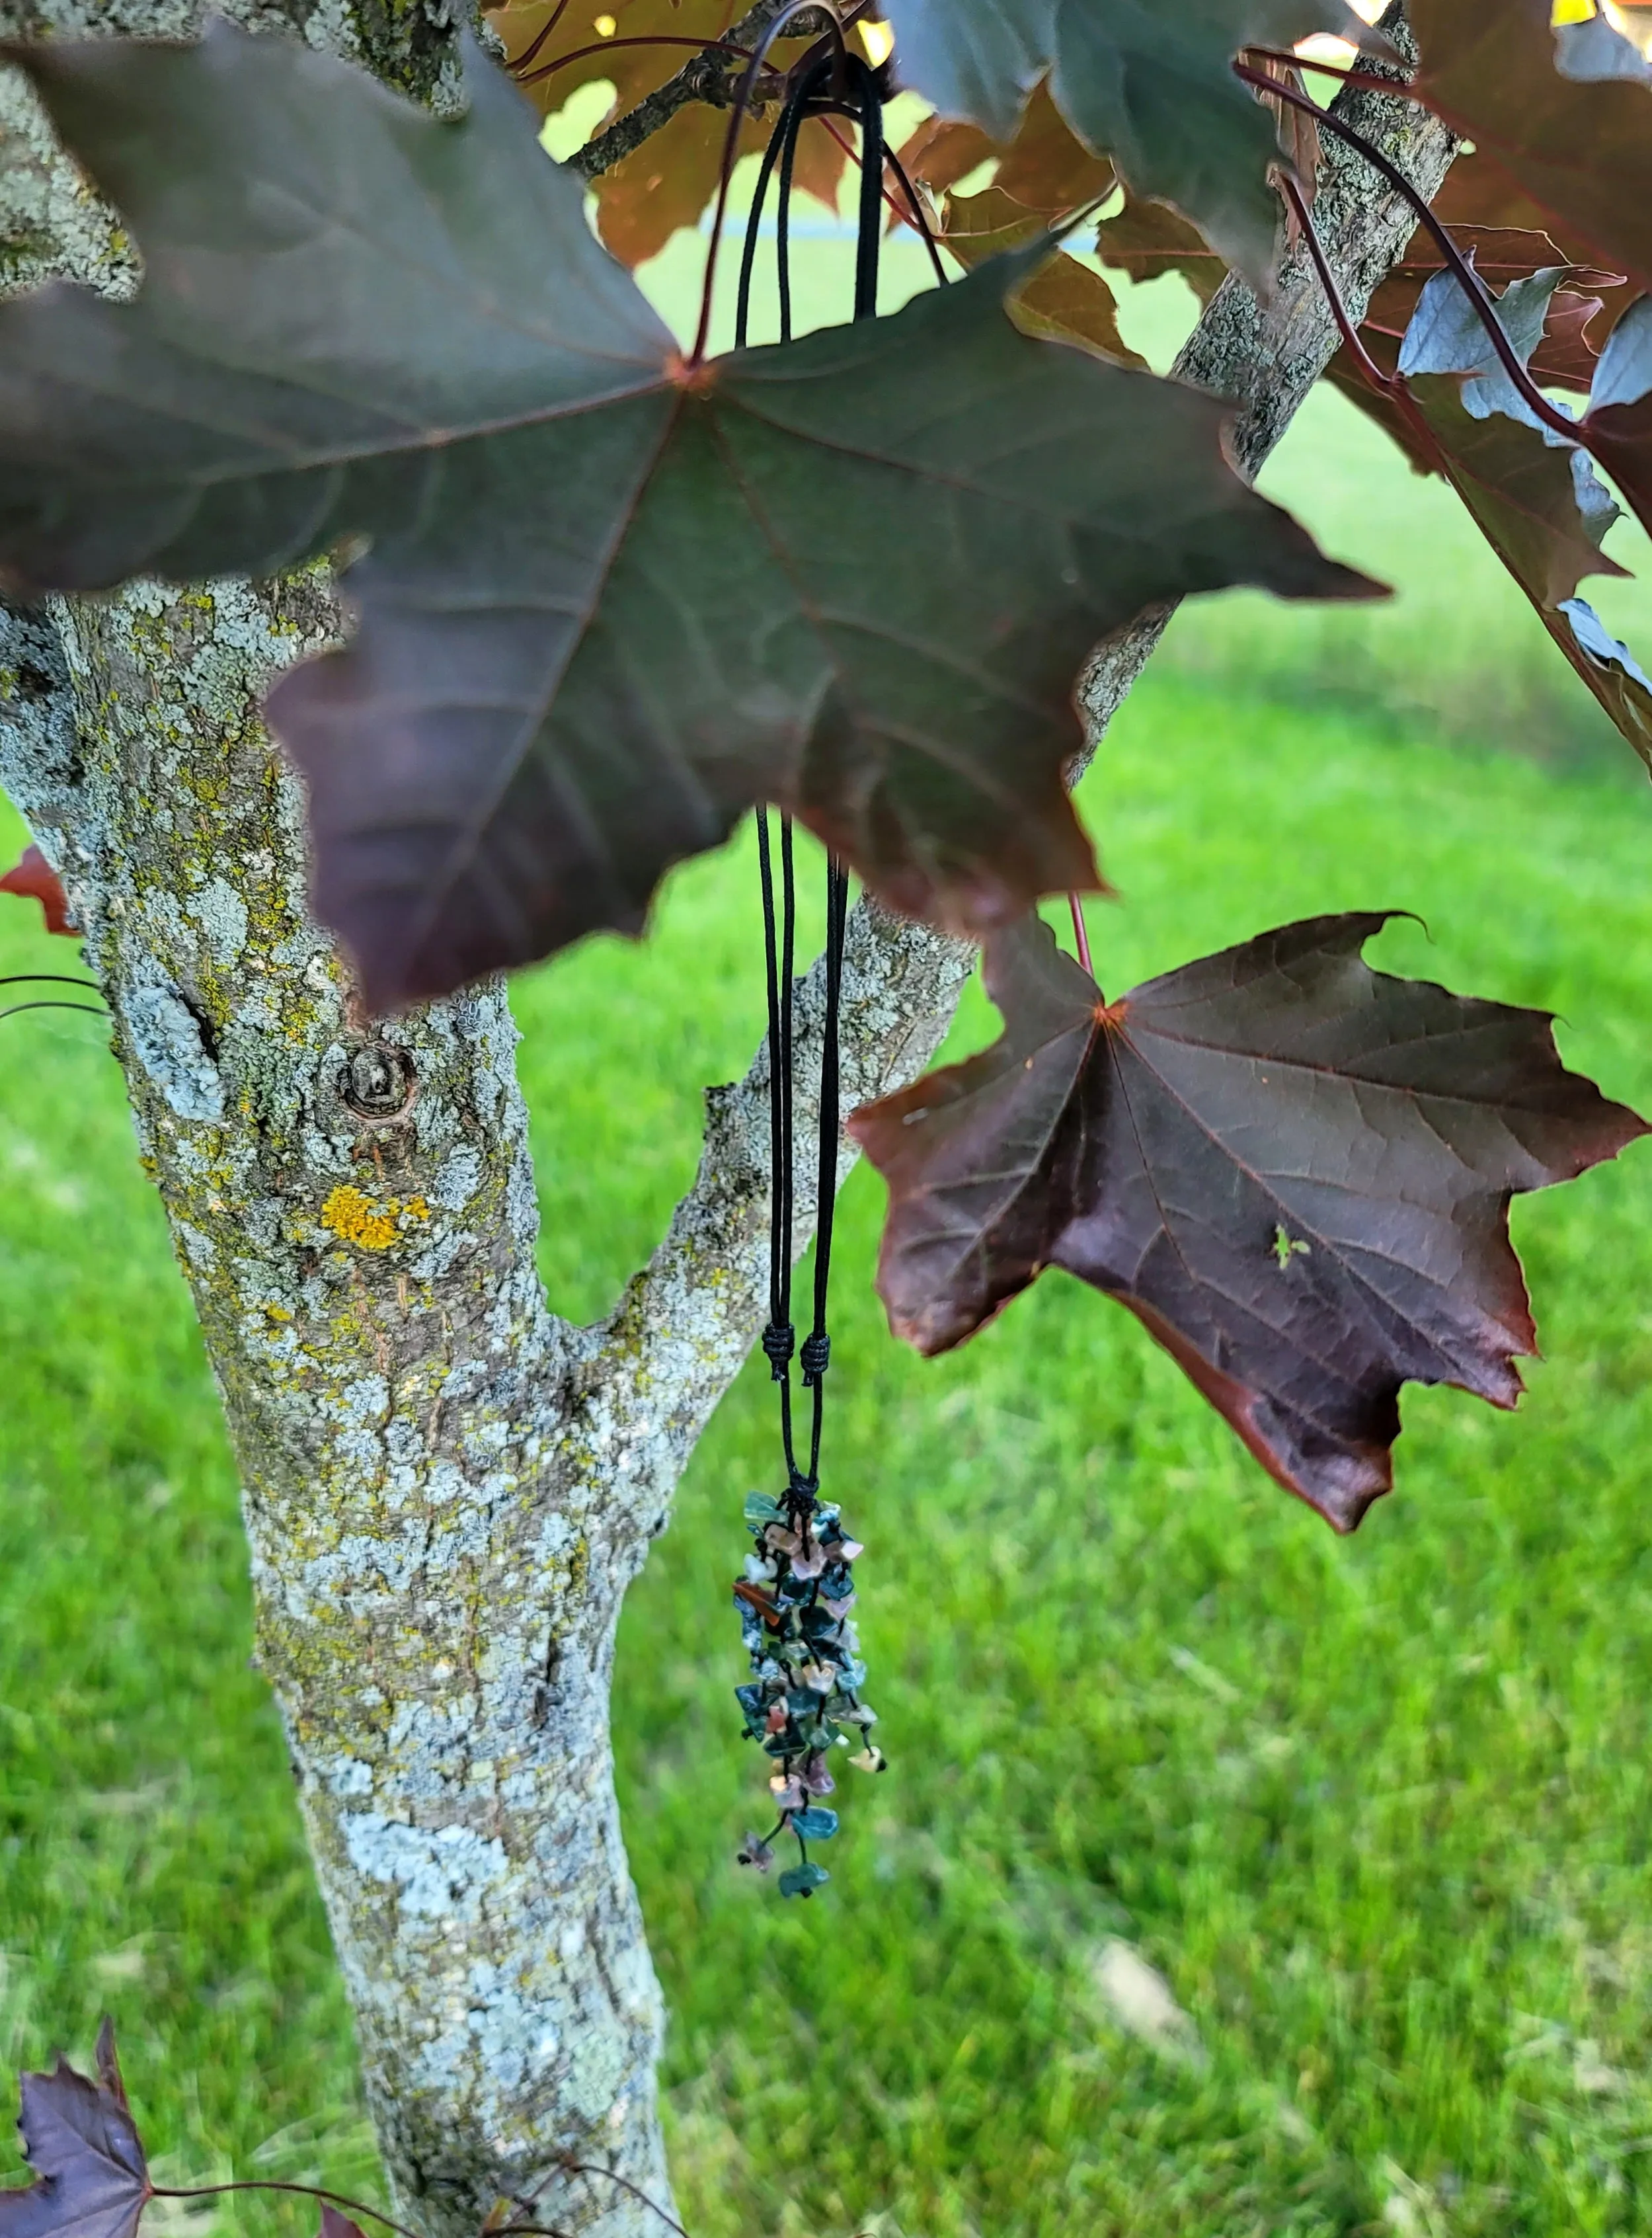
{"x": 1537, "y": 503}
{"x": 1618, "y": 426}
{"x": 34, "y": 879}
{"x": 1295, "y": 1170}
{"x": 1582, "y": 151}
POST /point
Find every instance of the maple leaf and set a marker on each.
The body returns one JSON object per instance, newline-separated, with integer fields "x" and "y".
{"x": 1479, "y": 202}
{"x": 1293, "y": 1169}
{"x": 33, "y": 879}
{"x": 1043, "y": 167}
{"x": 92, "y": 2179}
{"x": 1534, "y": 498}
{"x": 1582, "y": 151}
{"x": 936, "y": 155}
{"x": 666, "y": 185}
{"x": 1063, "y": 300}
{"x": 1147, "y": 239}
{"x": 1617, "y": 425}
{"x": 1447, "y": 335}
{"x": 1594, "y": 47}
{"x": 1543, "y": 512}
{"x": 608, "y": 602}
{"x": 1567, "y": 354}
{"x": 1150, "y": 87}
{"x": 1562, "y": 355}
{"x": 560, "y": 45}
{"x": 1046, "y": 166}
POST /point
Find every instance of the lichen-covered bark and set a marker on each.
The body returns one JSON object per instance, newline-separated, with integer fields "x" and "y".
{"x": 447, "y": 1490}
{"x": 437, "y": 1567}
{"x": 410, "y": 43}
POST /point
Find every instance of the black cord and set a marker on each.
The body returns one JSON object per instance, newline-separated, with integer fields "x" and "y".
{"x": 779, "y": 1338}
{"x": 86, "y": 1010}
{"x": 797, "y": 1591}
{"x": 817, "y": 1345}
{"x": 779, "y": 941}
{"x": 791, "y": 127}
{"x": 869, "y": 233}
{"x": 922, "y": 220}
{"x": 780, "y": 923}
{"x": 783, "y": 136}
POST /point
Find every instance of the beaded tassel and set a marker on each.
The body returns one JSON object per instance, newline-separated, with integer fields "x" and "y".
{"x": 804, "y": 1696}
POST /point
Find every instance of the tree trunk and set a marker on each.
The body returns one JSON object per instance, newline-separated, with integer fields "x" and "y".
{"x": 447, "y": 1489}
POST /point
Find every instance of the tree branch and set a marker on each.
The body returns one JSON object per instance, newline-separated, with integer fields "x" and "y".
{"x": 709, "y": 76}
{"x": 660, "y": 1364}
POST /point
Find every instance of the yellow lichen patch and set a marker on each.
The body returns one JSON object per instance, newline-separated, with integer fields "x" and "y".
{"x": 371, "y": 1224}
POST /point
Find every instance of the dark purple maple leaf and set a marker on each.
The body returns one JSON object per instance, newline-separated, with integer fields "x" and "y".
{"x": 1295, "y": 1170}
{"x": 92, "y": 2178}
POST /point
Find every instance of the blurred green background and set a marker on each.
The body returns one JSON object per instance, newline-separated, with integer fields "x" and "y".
{"x": 1375, "y": 1811}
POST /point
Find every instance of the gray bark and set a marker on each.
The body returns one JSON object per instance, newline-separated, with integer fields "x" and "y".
{"x": 447, "y": 1488}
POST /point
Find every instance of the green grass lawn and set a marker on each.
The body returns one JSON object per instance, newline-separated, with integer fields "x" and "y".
{"x": 1377, "y": 1809}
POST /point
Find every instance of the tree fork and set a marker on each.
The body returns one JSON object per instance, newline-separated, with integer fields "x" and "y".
{"x": 447, "y": 1489}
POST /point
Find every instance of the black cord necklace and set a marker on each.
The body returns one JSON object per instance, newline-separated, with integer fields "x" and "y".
{"x": 795, "y": 1599}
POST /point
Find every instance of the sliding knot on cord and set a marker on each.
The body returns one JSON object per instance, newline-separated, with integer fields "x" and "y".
{"x": 779, "y": 1342}
{"x": 815, "y": 1355}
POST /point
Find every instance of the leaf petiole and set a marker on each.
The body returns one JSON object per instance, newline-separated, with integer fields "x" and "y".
{"x": 1080, "y": 932}
{"x": 1388, "y": 385}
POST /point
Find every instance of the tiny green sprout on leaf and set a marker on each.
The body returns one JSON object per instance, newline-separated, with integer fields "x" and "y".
{"x": 1287, "y": 1246}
